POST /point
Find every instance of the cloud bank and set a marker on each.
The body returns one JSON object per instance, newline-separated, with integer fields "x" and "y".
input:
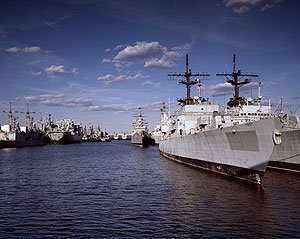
{"x": 243, "y": 6}
{"x": 59, "y": 100}
{"x": 150, "y": 54}
{"x": 31, "y": 49}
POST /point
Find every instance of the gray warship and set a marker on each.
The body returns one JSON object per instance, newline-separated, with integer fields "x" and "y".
{"x": 95, "y": 135}
{"x": 12, "y": 135}
{"x": 64, "y": 131}
{"x": 165, "y": 126}
{"x": 140, "y": 135}
{"x": 286, "y": 156}
{"x": 223, "y": 141}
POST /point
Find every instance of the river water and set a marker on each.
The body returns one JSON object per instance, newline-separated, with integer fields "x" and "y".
{"x": 116, "y": 190}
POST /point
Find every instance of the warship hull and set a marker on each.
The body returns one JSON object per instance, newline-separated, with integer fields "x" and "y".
{"x": 21, "y": 144}
{"x": 142, "y": 139}
{"x": 286, "y": 156}
{"x": 64, "y": 138}
{"x": 21, "y": 139}
{"x": 242, "y": 151}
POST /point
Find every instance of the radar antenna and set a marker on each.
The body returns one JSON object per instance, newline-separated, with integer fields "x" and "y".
{"x": 29, "y": 119}
{"x": 188, "y": 81}
{"x": 236, "y": 100}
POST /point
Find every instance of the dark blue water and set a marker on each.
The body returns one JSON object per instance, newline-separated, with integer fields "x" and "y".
{"x": 116, "y": 190}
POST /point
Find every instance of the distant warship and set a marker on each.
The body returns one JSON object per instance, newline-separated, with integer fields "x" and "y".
{"x": 165, "y": 126}
{"x": 140, "y": 135}
{"x": 95, "y": 135}
{"x": 12, "y": 135}
{"x": 62, "y": 132}
{"x": 227, "y": 141}
{"x": 286, "y": 156}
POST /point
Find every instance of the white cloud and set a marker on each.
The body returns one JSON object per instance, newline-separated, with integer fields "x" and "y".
{"x": 221, "y": 89}
{"x": 75, "y": 71}
{"x": 124, "y": 107}
{"x": 13, "y": 50}
{"x": 117, "y": 64}
{"x": 36, "y": 73}
{"x": 225, "y": 88}
{"x": 107, "y": 77}
{"x": 110, "y": 79}
{"x": 140, "y": 50}
{"x": 112, "y": 107}
{"x": 240, "y": 2}
{"x": 150, "y": 54}
{"x": 243, "y": 6}
{"x": 31, "y": 49}
{"x": 163, "y": 62}
{"x": 105, "y": 60}
{"x": 150, "y": 83}
{"x": 241, "y": 10}
{"x": 54, "y": 69}
{"x": 137, "y": 76}
{"x": 118, "y": 47}
{"x": 59, "y": 100}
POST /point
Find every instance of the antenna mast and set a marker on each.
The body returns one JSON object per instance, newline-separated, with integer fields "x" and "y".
{"x": 187, "y": 81}
{"x": 236, "y": 100}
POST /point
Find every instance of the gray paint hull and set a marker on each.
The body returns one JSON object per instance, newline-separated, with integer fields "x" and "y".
{"x": 142, "y": 139}
{"x": 64, "y": 138}
{"x": 286, "y": 155}
{"x": 242, "y": 151}
{"x": 20, "y": 144}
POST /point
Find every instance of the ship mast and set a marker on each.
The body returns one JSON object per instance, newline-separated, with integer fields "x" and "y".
{"x": 236, "y": 100}
{"x": 11, "y": 117}
{"x": 187, "y": 81}
{"x": 29, "y": 119}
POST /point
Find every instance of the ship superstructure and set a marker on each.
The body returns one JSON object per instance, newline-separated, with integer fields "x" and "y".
{"x": 12, "y": 135}
{"x": 140, "y": 135}
{"x": 64, "y": 131}
{"x": 165, "y": 126}
{"x": 95, "y": 135}
{"x": 226, "y": 142}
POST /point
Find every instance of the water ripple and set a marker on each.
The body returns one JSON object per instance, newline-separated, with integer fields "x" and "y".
{"x": 115, "y": 190}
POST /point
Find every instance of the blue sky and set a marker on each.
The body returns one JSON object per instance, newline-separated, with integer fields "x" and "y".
{"x": 97, "y": 61}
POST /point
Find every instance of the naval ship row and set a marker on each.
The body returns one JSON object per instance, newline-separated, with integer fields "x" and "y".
{"x": 240, "y": 140}
{"x": 64, "y": 131}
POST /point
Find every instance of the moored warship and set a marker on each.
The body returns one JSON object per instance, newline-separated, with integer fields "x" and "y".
{"x": 226, "y": 142}
{"x": 62, "y": 132}
{"x": 95, "y": 135}
{"x": 286, "y": 156}
{"x": 12, "y": 135}
{"x": 165, "y": 126}
{"x": 140, "y": 135}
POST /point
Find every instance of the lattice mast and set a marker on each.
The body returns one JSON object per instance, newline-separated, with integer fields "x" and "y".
{"x": 188, "y": 81}
{"x": 234, "y": 81}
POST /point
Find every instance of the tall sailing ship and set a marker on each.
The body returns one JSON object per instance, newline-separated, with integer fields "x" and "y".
{"x": 227, "y": 142}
